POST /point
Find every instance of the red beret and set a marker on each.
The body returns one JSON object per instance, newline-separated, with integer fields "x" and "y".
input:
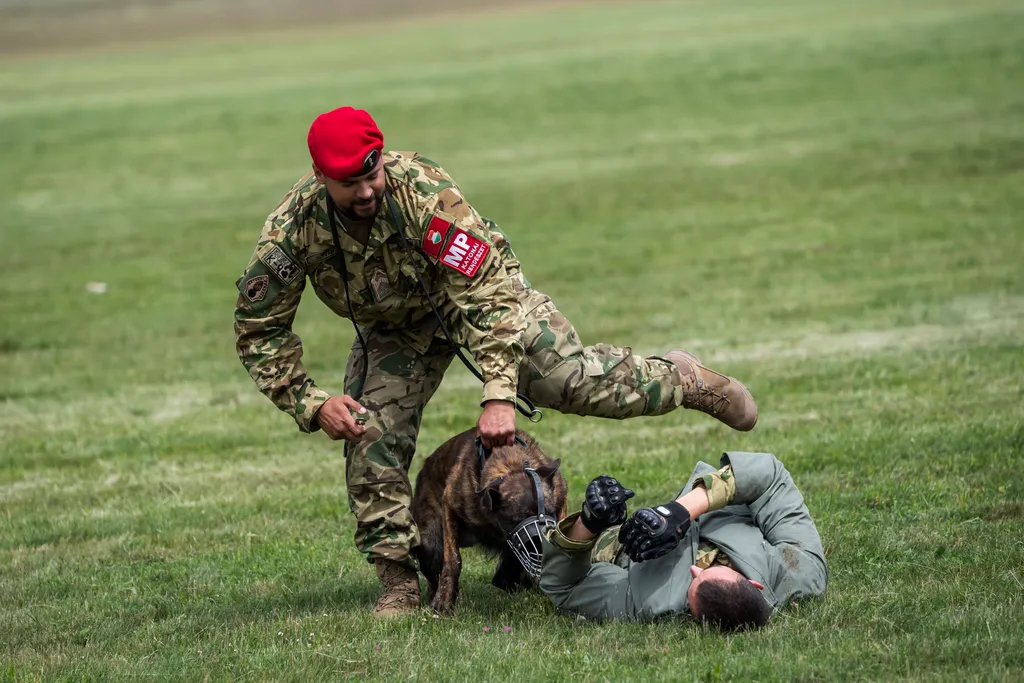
{"x": 345, "y": 143}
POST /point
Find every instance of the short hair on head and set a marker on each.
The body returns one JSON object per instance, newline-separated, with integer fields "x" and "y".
{"x": 732, "y": 605}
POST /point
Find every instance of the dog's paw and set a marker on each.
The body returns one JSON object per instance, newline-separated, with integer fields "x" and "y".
{"x": 510, "y": 582}
{"x": 442, "y": 606}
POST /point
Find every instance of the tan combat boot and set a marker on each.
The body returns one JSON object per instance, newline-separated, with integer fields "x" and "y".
{"x": 401, "y": 589}
{"x": 721, "y": 397}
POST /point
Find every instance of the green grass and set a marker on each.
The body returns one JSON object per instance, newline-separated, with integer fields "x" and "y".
{"x": 823, "y": 198}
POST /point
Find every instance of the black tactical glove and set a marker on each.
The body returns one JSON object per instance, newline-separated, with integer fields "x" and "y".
{"x": 604, "y": 504}
{"x": 652, "y": 532}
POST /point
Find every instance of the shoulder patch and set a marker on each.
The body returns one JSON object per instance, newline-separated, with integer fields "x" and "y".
{"x": 280, "y": 264}
{"x": 435, "y": 236}
{"x": 465, "y": 253}
{"x": 255, "y": 288}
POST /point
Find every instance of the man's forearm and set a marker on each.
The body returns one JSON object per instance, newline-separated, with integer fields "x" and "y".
{"x": 581, "y": 533}
{"x": 695, "y": 501}
{"x": 272, "y": 356}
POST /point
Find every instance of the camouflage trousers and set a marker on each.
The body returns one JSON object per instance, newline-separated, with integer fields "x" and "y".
{"x": 557, "y": 372}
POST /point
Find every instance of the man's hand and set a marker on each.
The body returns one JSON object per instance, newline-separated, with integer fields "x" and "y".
{"x": 652, "y": 532}
{"x": 497, "y": 424}
{"x": 335, "y": 418}
{"x": 604, "y": 504}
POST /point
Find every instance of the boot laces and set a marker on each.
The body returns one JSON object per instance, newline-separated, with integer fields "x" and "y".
{"x": 709, "y": 400}
{"x": 400, "y": 585}
{"x": 395, "y": 597}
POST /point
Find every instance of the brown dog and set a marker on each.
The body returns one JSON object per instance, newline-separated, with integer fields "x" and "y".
{"x": 458, "y": 504}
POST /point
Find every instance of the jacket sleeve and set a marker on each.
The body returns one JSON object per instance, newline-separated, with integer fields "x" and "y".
{"x": 492, "y": 319}
{"x": 574, "y": 584}
{"x": 779, "y": 511}
{"x": 268, "y": 297}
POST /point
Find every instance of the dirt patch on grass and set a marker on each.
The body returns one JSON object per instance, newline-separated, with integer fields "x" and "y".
{"x": 41, "y": 26}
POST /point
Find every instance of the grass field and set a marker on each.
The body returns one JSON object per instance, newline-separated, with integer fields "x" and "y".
{"x": 823, "y": 198}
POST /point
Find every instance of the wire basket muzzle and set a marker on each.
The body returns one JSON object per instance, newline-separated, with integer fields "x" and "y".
{"x": 526, "y": 544}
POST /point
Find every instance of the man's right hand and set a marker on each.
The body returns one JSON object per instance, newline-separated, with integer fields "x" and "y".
{"x": 604, "y": 504}
{"x": 336, "y": 419}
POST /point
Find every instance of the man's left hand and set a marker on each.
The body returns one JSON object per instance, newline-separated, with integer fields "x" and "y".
{"x": 653, "y": 532}
{"x": 497, "y": 424}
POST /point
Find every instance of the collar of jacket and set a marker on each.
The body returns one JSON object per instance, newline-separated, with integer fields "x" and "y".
{"x": 380, "y": 232}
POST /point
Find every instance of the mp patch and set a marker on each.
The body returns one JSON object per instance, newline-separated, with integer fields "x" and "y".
{"x": 256, "y": 288}
{"x": 280, "y": 265}
{"x": 465, "y": 253}
{"x": 434, "y": 237}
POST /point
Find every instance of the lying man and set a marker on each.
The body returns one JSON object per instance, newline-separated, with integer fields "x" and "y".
{"x": 734, "y": 545}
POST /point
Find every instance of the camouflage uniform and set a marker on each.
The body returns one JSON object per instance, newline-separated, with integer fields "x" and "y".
{"x": 516, "y": 335}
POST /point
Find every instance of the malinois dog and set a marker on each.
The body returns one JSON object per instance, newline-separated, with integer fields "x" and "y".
{"x": 501, "y": 500}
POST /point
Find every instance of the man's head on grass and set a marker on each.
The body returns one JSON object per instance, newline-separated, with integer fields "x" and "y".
{"x": 725, "y": 598}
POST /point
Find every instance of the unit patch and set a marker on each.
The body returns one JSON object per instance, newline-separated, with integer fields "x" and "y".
{"x": 256, "y": 288}
{"x": 465, "y": 253}
{"x": 280, "y": 265}
{"x": 314, "y": 260}
{"x": 380, "y": 285}
{"x": 434, "y": 237}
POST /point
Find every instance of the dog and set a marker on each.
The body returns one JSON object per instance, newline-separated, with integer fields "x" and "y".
{"x": 461, "y": 501}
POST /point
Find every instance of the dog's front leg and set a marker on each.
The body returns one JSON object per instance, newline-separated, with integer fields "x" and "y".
{"x": 448, "y": 584}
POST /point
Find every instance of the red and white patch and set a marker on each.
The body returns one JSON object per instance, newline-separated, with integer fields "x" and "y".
{"x": 434, "y": 237}
{"x": 465, "y": 253}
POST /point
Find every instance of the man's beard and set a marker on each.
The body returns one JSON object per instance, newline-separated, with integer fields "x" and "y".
{"x": 361, "y": 211}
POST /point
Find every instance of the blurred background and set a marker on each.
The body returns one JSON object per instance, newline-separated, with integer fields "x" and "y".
{"x": 820, "y": 197}
{"x": 40, "y": 25}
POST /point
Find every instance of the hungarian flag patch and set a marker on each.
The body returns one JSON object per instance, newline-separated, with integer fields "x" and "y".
{"x": 434, "y": 237}
{"x": 465, "y": 253}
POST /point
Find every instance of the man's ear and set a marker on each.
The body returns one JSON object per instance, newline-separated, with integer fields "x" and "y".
{"x": 319, "y": 174}
{"x": 545, "y": 471}
{"x": 758, "y": 585}
{"x": 489, "y": 494}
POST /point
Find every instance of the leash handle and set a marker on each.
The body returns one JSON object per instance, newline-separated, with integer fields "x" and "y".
{"x": 532, "y": 412}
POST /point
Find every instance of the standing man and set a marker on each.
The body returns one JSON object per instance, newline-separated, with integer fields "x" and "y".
{"x": 387, "y": 240}
{"x": 734, "y": 545}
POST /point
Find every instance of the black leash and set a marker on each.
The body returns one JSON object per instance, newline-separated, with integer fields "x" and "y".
{"x": 340, "y": 262}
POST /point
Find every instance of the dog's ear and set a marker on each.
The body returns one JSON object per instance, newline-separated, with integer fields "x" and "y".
{"x": 545, "y": 471}
{"x": 489, "y": 494}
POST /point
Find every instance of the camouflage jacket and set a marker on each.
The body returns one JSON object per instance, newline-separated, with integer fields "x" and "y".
{"x": 466, "y": 262}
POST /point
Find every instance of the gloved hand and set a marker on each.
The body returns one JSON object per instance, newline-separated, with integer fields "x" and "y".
{"x": 604, "y": 504}
{"x": 652, "y": 532}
